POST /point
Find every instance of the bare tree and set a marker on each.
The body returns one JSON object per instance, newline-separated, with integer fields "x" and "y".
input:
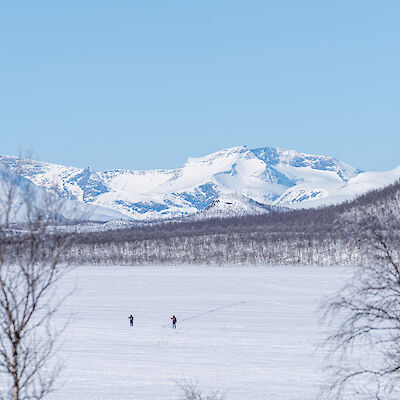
{"x": 31, "y": 248}
{"x": 191, "y": 391}
{"x": 365, "y": 345}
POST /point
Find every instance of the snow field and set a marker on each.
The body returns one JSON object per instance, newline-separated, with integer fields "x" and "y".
{"x": 250, "y": 332}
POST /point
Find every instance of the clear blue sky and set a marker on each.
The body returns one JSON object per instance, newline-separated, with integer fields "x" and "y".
{"x": 146, "y": 84}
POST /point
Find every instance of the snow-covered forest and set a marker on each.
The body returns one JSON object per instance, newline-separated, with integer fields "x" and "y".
{"x": 308, "y": 237}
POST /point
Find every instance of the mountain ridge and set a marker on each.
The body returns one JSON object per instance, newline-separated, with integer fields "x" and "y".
{"x": 268, "y": 176}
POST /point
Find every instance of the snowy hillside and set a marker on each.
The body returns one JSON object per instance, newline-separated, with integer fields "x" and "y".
{"x": 252, "y": 181}
{"x": 232, "y": 206}
{"x": 37, "y": 197}
{"x": 360, "y": 184}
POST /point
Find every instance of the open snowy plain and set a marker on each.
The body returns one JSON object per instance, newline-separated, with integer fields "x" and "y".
{"x": 249, "y": 332}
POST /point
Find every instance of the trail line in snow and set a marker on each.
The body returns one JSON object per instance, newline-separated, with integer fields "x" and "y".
{"x": 199, "y": 315}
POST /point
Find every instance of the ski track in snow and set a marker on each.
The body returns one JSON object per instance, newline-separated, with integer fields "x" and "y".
{"x": 250, "y": 332}
{"x": 199, "y": 315}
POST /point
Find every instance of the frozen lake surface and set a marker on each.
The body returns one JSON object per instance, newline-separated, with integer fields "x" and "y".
{"x": 250, "y": 332}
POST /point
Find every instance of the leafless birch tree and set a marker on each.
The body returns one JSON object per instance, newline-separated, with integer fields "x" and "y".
{"x": 30, "y": 265}
{"x": 365, "y": 344}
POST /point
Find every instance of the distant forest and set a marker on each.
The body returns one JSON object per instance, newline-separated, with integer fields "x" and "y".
{"x": 305, "y": 237}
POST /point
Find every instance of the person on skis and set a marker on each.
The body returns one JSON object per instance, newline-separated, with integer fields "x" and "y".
{"x": 131, "y": 320}
{"x": 174, "y": 321}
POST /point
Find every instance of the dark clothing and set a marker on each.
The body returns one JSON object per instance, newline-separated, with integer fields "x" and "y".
{"x": 131, "y": 320}
{"x": 174, "y": 321}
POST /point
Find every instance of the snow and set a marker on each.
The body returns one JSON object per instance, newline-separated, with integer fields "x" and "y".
{"x": 251, "y": 332}
{"x": 68, "y": 208}
{"x": 270, "y": 175}
{"x": 356, "y": 186}
{"x": 137, "y": 182}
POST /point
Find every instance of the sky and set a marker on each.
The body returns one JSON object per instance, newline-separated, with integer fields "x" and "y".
{"x": 146, "y": 84}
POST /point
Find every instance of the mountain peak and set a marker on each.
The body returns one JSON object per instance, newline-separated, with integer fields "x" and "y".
{"x": 225, "y": 153}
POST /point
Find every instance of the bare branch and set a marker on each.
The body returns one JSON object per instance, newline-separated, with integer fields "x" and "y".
{"x": 31, "y": 245}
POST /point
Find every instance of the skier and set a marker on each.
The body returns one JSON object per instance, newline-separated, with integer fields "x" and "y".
{"x": 131, "y": 320}
{"x": 174, "y": 321}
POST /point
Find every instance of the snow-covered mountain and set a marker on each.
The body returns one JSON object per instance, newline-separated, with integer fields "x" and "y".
{"x": 240, "y": 179}
{"x": 24, "y": 192}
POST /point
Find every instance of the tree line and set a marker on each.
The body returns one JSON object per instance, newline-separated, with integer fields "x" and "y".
{"x": 318, "y": 236}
